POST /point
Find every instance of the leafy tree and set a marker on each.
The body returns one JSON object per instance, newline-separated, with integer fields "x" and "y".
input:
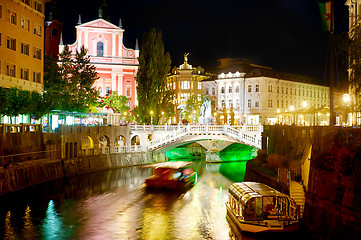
{"x": 118, "y": 103}
{"x": 69, "y": 83}
{"x": 152, "y": 91}
{"x": 193, "y": 106}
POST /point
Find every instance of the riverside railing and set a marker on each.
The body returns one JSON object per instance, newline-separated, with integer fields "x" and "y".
{"x": 12, "y": 159}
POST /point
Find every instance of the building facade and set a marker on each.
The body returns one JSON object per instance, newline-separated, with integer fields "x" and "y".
{"x": 115, "y": 64}
{"x": 186, "y": 81}
{"x": 53, "y": 30}
{"x": 264, "y": 96}
{"x": 22, "y": 44}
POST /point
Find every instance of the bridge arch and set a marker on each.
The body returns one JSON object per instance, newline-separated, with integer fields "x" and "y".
{"x": 135, "y": 140}
{"x": 87, "y": 145}
{"x": 104, "y": 144}
{"x": 120, "y": 144}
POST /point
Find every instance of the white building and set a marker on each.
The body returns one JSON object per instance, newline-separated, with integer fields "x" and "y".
{"x": 264, "y": 96}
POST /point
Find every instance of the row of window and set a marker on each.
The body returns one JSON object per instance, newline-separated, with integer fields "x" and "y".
{"x": 35, "y": 4}
{"x": 23, "y": 73}
{"x": 184, "y": 85}
{"x": 12, "y": 17}
{"x": 107, "y": 91}
{"x": 307, "y": 93}
{"x": 24, "y": 47}
{"x": 280, "y": 104}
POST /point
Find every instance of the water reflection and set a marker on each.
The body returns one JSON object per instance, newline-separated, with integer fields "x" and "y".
{"x": 114, "y": 205}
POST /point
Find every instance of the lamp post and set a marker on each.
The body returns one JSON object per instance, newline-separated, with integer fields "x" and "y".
{"x": 292, "y": 108}
{"x": 228, "y": 117}
{"x": 346, "y": 99}
{"x": 125, "y": 118}
{"x": 151, "y": 117}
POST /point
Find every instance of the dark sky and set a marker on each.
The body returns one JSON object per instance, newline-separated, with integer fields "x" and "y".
{"x": 283, "y": 34}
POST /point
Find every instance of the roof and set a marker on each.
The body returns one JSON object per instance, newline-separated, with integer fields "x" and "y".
{"x": 99, "y": 23}
{"x": 173, "y": 164}
{"x": 248, "y": 190}
{"x": 262, "y": 72}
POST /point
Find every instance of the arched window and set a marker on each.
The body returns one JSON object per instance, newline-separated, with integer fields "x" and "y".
{"x": 54, "y": 32}
{"x": 100, "y": 49}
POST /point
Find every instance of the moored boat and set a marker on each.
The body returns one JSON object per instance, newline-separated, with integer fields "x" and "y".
{"x": 175, "y": 175}
{"x": 256, "y": 207}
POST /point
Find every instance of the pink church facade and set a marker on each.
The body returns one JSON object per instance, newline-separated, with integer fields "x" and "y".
{"x": 115, "y": 64}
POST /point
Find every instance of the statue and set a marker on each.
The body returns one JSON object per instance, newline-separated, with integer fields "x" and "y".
{"x": 186, "y": 57}
{"x": 100, "y": 12}
{"x": 206, "y": 111}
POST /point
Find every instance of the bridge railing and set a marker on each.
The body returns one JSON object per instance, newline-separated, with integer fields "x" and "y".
{"x": 246, "y": 134}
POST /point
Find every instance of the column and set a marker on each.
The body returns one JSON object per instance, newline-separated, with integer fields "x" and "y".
{"x": 113, "y": 43}
{"x": 114, "y": 82}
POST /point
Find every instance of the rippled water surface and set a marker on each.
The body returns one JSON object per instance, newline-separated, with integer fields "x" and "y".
{"x": 114, "y": 205}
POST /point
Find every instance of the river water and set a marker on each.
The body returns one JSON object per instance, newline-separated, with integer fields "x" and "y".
{"x": 114, "y": 205}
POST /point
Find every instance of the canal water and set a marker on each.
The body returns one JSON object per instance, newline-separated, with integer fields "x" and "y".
{"x": 114, "y": 205}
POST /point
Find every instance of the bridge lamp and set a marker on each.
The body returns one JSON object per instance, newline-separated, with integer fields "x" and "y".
{"x": 346, "y": 99}
{"x": 151, "y": 117}
{"x": 304, "y": 104}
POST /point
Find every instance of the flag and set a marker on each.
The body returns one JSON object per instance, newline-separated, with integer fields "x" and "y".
{"x": 325, "y": 11}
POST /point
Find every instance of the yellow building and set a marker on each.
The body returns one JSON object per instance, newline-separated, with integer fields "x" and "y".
{"x": 22, "y": 44}
{"x": 186, "y": 83}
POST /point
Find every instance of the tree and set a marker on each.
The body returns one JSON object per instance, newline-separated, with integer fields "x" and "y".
{"x": 118, "y": 103}
{"x": 193, "y": 107}
{"x": 153, "y": 94}
{"x": 69, "y": 83}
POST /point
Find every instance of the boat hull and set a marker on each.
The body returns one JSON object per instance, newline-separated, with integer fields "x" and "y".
{"x": 262, "y": 226}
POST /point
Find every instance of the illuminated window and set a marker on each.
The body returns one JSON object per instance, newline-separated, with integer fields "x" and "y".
{"x": 249, "y": 88}
{"x": 185, "y": 84}
{"x": 222, "y": 90}
{"x": 100, "y": 49}
{"x": 223, "y": 104}
{"x": 11, "y": 43}
{"x": 230, "y": 90}
{"x": 25, "y": 23}
{"x": 24, "y": 73}
{"x": 37, "y": 29}
{"x": 257, "y": 88}
{"x": 11, "y": 16}
{"x": 10, "y": 69}
{"x": 107, "y": 90}
{"x": 25, "y": 48}
{"x": 0, "y": 38}
{"x": 278, "y": 89}
{"x": 256, "y": 104}
{"x": 37, "y": 53}
{"x": 249, "y": 103}
{"x": 37, "y": 77}
{"x": 269, "y": 88}
{"x": 237, "y": 89}
{"x": 269, "y": 103}
{"x": 278, "y": 103}
{"x": 1, "y": 11}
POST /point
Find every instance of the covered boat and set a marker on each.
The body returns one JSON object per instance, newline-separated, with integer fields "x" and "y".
{"x": 256, "y": 207}
{"x": 172, "y": 175}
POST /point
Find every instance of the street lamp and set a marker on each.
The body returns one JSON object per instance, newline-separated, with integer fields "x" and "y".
{"x": 151, "y": 117}
{"x": 346, "y": 99}
{"x": 292, "y": 108}
{"x": 228, "y": 117}
{"x": 125, "y": 118}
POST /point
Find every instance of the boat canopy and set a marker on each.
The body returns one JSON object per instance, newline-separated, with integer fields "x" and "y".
{"x": 173, "y": 164}
{"x": 244, "y": 191}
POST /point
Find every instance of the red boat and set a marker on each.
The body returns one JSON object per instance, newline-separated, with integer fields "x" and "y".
{"x": 172, "y": 175}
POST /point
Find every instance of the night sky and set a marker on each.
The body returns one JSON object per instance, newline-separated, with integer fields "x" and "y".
{"x": 283, "y": 34}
